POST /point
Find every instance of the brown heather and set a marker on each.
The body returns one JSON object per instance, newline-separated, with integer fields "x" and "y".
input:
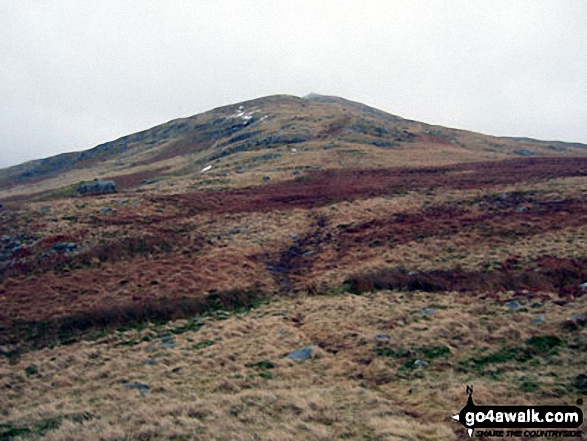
{"x": 415, "y": 260}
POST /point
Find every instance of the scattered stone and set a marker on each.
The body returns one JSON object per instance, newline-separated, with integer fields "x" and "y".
{"x": 106, "y": 210}
{"x": 427, "y": 311}
{"x": 524, "y": 152}
{"x": 45, "y": 209}
{"x": 148, "y": 181}
{"x": 63, "y": 247}
{"x": 166, "y": 339}
{"x": 293, "y": 236}
{"x": 152, "y": 348}
{"x": 538, "y": 320}
{"x": 296, "y": 173}
{"x": 266, "y": 178}
{"x": 142, "y": 388}
{"x": 382, "y": 337}
{"x": 420, "y": 363}
{"x": 513, "y": 304}
{"x": 579, "y": 318}
{"x": 151, "y": 362}
{"x": 301, "y": 354}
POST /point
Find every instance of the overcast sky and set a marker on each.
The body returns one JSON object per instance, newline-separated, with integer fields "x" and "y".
{"x": 74, "y": 74}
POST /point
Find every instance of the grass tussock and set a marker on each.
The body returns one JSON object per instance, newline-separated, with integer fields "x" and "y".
{"x": 380, "y": 370}
{"x": 69, "y": 329}
{"x": 563, "y": 276}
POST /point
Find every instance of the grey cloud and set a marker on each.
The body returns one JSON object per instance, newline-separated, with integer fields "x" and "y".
{"x": 76, "y": 74}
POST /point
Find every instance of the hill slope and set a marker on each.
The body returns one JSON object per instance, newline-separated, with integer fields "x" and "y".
{"x": 268, "y": 137}
{"x": 291, "y": 268}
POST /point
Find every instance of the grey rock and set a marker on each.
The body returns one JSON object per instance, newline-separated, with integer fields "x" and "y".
{"x": 64, "y": 247}
{"x": 427, "y": 311}
{"x": 46, "y": 209}
{"x": 583, "y": 286}
{"x": 142, "y": 388}
{"x": 166, "y": 338}
{"x": 538, "y": 320}
{"x": 382, "y": 337}
{"x": 521, "y": 208}
{"x": 266, "y": 178}
{"x": 513, "y": 304}
{"x": 579, "y": 318}
{"x": 293, "y": 236}
{"x": 152, "y": 348}
{"x": 106, "y": 210}
{"x": 420, "y": 363}
{"x": 301, "y": 354}
{"x": 97, "y": 186}
{"x": 524, "y": 152}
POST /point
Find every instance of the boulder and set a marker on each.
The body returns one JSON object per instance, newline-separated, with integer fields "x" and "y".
{"x": 524, "y": 152}
{"x": 97, "y": 186}
{"x": 538, "y": 320}
{"x": 301, "y": 354}
{"x": 142, "y": 388}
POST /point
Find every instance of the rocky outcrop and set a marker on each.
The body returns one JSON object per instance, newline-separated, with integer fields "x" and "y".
{"x": 97, "y": 186}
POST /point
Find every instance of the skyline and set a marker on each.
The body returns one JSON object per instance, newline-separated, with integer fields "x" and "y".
{"x": 78, "y": 76}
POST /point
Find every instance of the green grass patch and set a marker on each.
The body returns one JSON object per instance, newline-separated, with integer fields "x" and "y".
{"x": 262, "y": 365}
{"x": 529, "y": 386}
{"x": 31, "y": 370}
{"x": 410, "y": 356}
{"x": 435, "y": 352}
{"x": 503, "y": 355}
{"x": 11, "y": 430}
{"x": 203, "y": 344}
{"x": 544, "y": 344}
{"x": 94, "y": 324}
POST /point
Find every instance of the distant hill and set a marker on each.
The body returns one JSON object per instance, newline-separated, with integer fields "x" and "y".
{"x": 270, "y": 137}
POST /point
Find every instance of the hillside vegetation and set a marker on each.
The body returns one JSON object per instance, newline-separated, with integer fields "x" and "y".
{"x": 290, "y": 268}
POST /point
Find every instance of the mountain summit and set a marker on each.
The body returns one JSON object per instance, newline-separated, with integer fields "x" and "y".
{"x": 269, "y": 138}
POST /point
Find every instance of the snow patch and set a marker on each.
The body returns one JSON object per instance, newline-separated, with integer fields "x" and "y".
{"x": 243, "y": 114}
